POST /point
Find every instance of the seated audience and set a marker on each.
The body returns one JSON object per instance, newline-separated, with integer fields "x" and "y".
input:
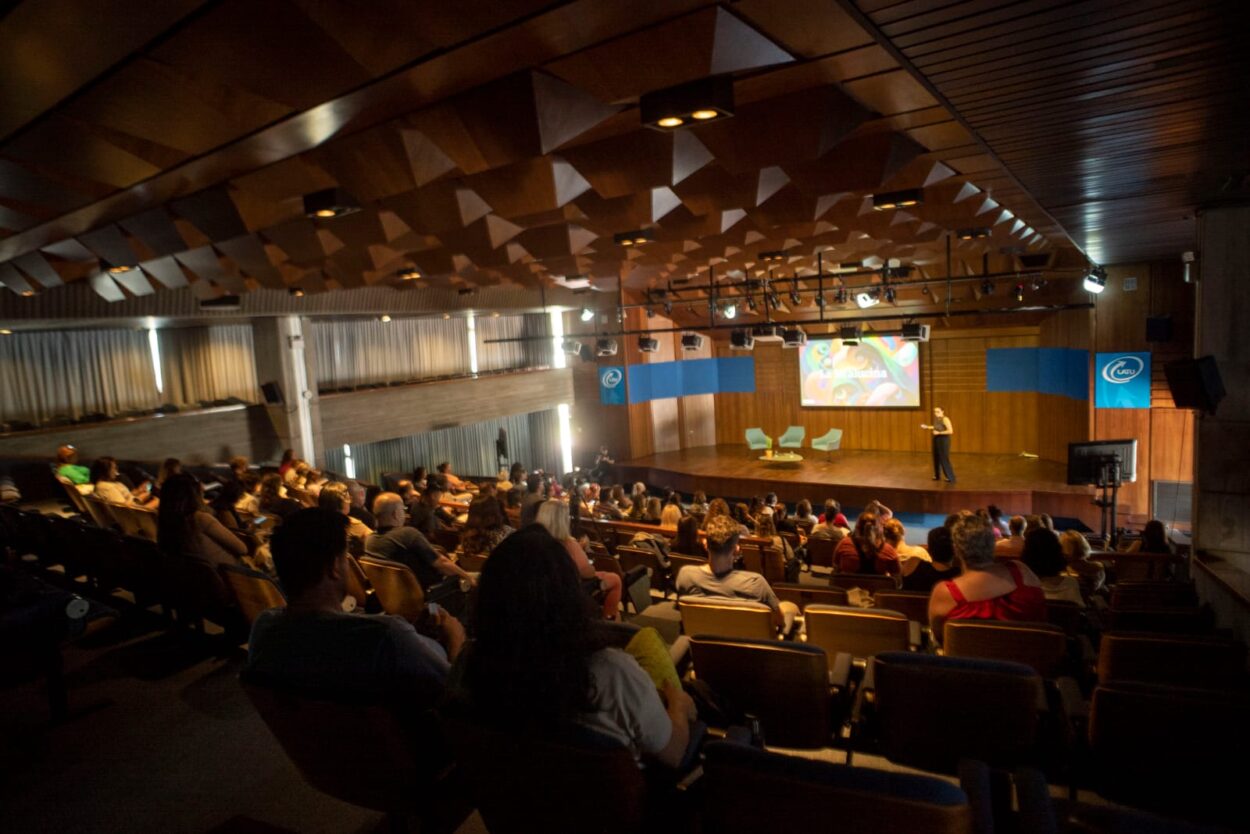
{"x": 742, "y": 515}
{"x": 1091, "y": 575}
{"x": 287, "y": 462}
{"x": 459, "y": 489}
{"x": 553, "y": 516}
{"x": 400, "y": 543}
{"x": 832, "y": 508}
{"x": 1044, "y": 556}
{"x": 312, "y": 645}
{"x": 1154, "y": 539}
{"x": 896, "y": 536}
{"x": 803, "y": 514}
{"x": 671, "y": 515}
{"x": 558, "y": 669}
{"x": 169, "y": 466}
{"x": 881, "y": 511}
{"x": 248, "y": 500}
{"x": 987, "y": 589}
{"x": 67, "y": 466}
{"x": 765, "y": 528}
{"x": 356, "y": 490}
{"x": 109, "y": 488}
{"x": 485, "y": 528}
{"x": 688, "y": 542}
{"x": 428, "y": 515}
{"x": 921, "y": 574}
{"x": 829, "y": 526}
{"x": 185, "y": 526}
{"x": 273, "y": 498}
{"x": 1012, "y": 547}
{"x": 698, "y": 504}
{"x": 533, "y": 499}
{"x": 716, "y": 508}
{"x": 718, "y": 578}
{"x": 652, "y": 512}
{"x": 865, "y": 550}
{"x": 997, "y": 522}
{"x": 336, "y": 498}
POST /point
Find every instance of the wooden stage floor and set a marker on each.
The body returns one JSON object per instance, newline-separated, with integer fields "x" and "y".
{"x": 902, "y": 480}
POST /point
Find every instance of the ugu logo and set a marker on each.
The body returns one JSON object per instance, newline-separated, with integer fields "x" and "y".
{"x": 1123, "y": 369}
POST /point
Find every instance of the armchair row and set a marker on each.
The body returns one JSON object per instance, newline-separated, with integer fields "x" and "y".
{"x": 793, "y": 438}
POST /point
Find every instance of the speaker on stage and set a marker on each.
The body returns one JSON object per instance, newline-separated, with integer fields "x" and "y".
{"x": 501, "y": 444}
{"x": 1195, "y": 383}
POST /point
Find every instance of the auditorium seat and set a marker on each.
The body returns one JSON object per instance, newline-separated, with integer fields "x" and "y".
{"x": 915, "y": 605}
{"x": 1040, "y": 645}
{"x": 1176, "y": 660}
{"x": 641, "y": 557}
{"x": 387, "y": 757}
{"x": 1189, "y": 619}
{"x": 859, "y": 632}
{"x": 98, "y": 511}
{"x": 792, "y": 438}
{"x": 750, "y": 790}
{"x": 805, "y": 595}
{"x": 757, "y": 440}
{"x": 726, "y": 618}
{"x": 796, "y": 691}
{"x": 768, "y": 562}
{"x": 395, "y": 585}
{"x": 820, "y": 552}
{"x": 253, "y": 592}
{"x": 359, "y": 589}
{"x": 677, "y": 561}
{"x": 1152, "y": 594}
{"x": 871, "y": 582}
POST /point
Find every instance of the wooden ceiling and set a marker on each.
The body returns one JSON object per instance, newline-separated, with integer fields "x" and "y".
{"x": 498, "y": 142}
{"x": 1119, "y": 116}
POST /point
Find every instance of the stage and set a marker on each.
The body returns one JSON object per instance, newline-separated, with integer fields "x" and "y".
{"x": 901, "y": 480}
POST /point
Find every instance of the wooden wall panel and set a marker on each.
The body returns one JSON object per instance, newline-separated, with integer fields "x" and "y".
{"x": 593, "y": 423}
{"x": 385, "y": 413}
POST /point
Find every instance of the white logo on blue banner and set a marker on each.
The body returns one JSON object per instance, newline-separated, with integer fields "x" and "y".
{"x": 612, "y": 385}
{"x": 1123, "y": 380}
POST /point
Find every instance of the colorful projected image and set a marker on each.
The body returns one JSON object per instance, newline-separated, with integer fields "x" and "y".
{"x": 879, "y": 372}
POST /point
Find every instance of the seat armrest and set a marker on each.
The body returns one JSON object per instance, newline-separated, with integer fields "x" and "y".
{"x": 679, "y": 651}
{"x": 975, "y": 781}
{"x": 913, "y": 635}
{"x": 840, "y": 671}
{"x": 1036, "y": 813}
{"x": 1075, "y": 707}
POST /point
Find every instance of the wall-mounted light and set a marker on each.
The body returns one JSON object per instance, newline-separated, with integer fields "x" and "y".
{"x": 295, "y": 292}
{"x": 867, "y": 299}
{"x": 705, "y": 100}
{"x": 1096, "y": 280}
{"x": 587, "y": 314}
{"x": 409, "y": 274}
{"x": 775, "y": 255}
{"x": 730, "y": 311}
{"x": 384, "y": 318}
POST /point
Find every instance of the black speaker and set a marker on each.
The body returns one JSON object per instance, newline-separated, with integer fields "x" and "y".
{"x": 272, "y": 392}
{"x": 1159, "y": 328}
{"x": 1195, "y": 383}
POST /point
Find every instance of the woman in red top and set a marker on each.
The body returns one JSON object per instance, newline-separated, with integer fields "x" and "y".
{"x": 865, "y": 550}
{"x": 987, "y": 589}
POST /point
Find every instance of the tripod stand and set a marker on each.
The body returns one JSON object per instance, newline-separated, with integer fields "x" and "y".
{"x": 1109, "y": 482}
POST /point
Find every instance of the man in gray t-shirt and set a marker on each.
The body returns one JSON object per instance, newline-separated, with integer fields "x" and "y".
{"x": 719, "y": 579}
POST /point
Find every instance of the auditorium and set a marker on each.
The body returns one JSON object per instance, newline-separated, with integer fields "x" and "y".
{"x": 599, "y": 416}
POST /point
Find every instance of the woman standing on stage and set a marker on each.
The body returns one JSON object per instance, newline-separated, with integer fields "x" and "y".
{"x": 942, "y": 431}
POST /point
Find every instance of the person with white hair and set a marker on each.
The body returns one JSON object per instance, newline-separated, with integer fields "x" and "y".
{"x": 554, "y": 516}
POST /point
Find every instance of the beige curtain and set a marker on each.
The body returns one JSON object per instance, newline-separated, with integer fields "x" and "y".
{"x": 206, "y": 364}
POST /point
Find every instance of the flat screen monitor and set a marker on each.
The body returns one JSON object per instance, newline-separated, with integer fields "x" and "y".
{"x": 1085, "y": 460}
{"x": 876, "y": 372}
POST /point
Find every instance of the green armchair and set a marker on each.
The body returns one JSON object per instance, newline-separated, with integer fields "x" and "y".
{"x": 756, "y": 439}
{"x": 793, "y": 438}
{"x": 828, "y": 442}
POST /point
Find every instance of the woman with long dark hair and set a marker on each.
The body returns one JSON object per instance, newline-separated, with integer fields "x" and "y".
{"x": 185, "y": 527}
{"x": 866, "y": 550}
{"x": 539, "y": 658}
{"x": 687, "y": 542}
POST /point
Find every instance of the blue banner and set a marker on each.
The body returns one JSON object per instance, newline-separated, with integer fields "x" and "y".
{"x": 1122, "y": 380}
{"x": 612, "y": 385}
{"x": 689, "y": 377}
{"x": 1062, "y": 371}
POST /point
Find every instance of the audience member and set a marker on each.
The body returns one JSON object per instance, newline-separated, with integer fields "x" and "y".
{"x": 557, "y": 668}
{"x": 1154, "y": 539}
{"x": 671, "y": 515}
{"x": 698, "y": 504}
{"x": 987, "y": 589}
{"x": 438, "y": 575}
{"x": 273, "y": 499}
{"x": 829, "y": 528}
{"x": 109, "y": 488}
{"x": 1044, "y": 556}
{"x": 921, "y": 575}
{"x": 68, "y": 468}
{"x": 485, "y": 527}
{"x": 688, "y": 542}
{"x": 896, "y": 536}
{"x": 832, "y": 509}
{"x": 336, "y": 498}
{"x": 427, "y": 514}
{"x": 553, "y": 516}
{"x": 881, "y": 511}
{"x": 1012, "y": 547}
{"x": 169, "y": 467}
{"x": 1076, "y": 551}
{"x": 765, "y": 528}
{"x": 287, "y": 462}
{"x": 865, "y": 550}
{"x": 312, "y": 645}
{"x": 716, "y": 508}
{"x": 997, "y": 521}
{"x": 652, "y": 512}
{"x": 186, "y": 528}
{"x": 719, "y": 579}
{"x": 459, "y": 489}
{"x": 358, "y": 494}
{"x": 533, "y": 499}
{"x": 803, "y": 514}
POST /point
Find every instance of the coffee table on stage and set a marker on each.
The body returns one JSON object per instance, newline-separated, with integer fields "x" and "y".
{"x": 782, "y": 457}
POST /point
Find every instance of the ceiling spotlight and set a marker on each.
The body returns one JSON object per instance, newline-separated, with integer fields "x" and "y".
{"x": 866, "y": 299}
{"x": 633, "y": 238}
{"x": 384, "y": 318}
{"x": 330, "y": 202}
{"x": 897, "y": 199}
{"x": 972, "y": 234}
{"x": 446, "y": 316}
{"x": 752, "y": 304}
{"x": 606, "y": 347}
{"x": 775, "y": 255}
{"x": 668, "y": 308}
{"x": 741, "y": 340}
{"x": 839, "y": 295}
{"x": 650, "y": 312}
{"x": 410, "y": 274}
{"x": 648, "y": 344}
{"x": 849, "y": 266}
{"x": 587, "y": 314}
{"x": 1038, "y": 284}
{"x": 6, "y": 332}
{"x": 1019, "y": 292}
{"x": 295, "y": 292}
{"x": 704, "y": 100}
{"x": 26, "y": 293}
{"x": 120, "y": 269}
{"x": 793, "y": 337}
{"x": 987, "y": 287}
{"x": 795, "y": 298}
{"x": 889, "y": 294}
{"x": 730, "y": 311}
{"x": 1096, "y": 280}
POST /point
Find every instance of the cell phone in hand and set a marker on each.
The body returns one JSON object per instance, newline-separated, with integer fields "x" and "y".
{"x": 433, "y": 608}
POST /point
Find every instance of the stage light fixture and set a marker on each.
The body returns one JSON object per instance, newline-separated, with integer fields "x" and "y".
{"x": 668, "y": 308}
{"x": 767, "y": 332}
{"x": 741, "y": 340}
{"x": 867, "y": 299}
{"x": 913, "y": 332}
{"x": 295, "y": 292}
{"x": 410, "y": 274}
{"x": 849, "y": 334}
{"x": 820, "y": 301}
{"x": 775, "y": 255}
{"x": 648, "y": 344}
{"x": 587, "y": 314}
{"x": 26, "y": 293}
{"x": 839, "y": 295}
{"x": 606, "y": 347}
{"x": 987, "y": 287}
{"x": 897, "y": 199}
{"x": 1096, "y": 280}
{"x": 752, "y": 304}
{"x": 889, "y": 294}
{"x": 634, "y": 238}
{"x": 795, "y": 298}
{"x": 116, "y": 269}
{"x": 650, "y": 312}
{"x": 972, "y": 234}
{"x": 1019, "y": 292}
{"x": 692, "y": 341}
{"x": 572, "y": 347}
{"x": 1038, "y": 284}
{"x": 329, "y": 203}
{"x": 730, "y": 311}
{"x": 793, "y": 337}
{"x": 850, "y": 266}
{"x": 705, "y": 100}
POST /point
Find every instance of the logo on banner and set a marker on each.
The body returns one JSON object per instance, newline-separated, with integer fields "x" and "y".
{"x": 1123, "y": 369}
{"x": 612, "y": 385}
{"x": 1123, "y": 380}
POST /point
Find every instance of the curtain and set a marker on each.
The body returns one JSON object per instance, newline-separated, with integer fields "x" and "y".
{"x": 533, "y": 440}
{"x": 358, "y": 352}
{"x": 69, "y": 374}
{"x": 534, "y": 352}
{"x": 203, "y": 364}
